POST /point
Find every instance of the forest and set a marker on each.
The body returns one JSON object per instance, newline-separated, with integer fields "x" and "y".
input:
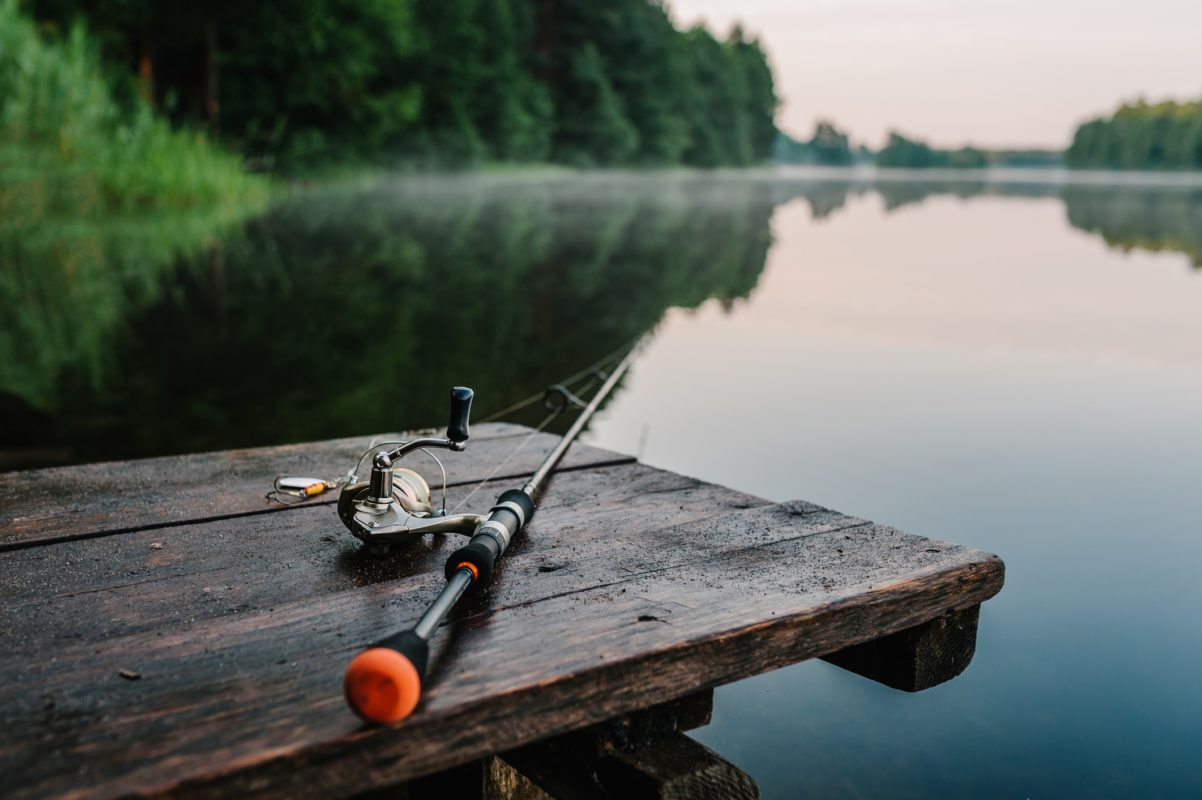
{"x": 307, "y": 85}
{"x": 830, "y": 146}
{"x": 1141, "y": 135}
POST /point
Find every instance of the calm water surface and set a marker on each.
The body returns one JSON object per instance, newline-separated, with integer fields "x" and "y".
{"x": 980, "y": 370}
{"x": 1012, "y": 365}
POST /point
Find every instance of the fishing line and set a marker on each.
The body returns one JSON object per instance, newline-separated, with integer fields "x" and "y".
{"x": 292, "y": 491}
{"x": 587, "y": 371}
{"x": 521, "y": 446}
{"x": 566, "y": 401}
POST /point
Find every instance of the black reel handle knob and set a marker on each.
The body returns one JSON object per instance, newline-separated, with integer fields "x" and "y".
{"x": 461, "y": 408}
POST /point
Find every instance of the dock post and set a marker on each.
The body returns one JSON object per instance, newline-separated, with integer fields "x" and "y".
{"x": 916, "y": 658}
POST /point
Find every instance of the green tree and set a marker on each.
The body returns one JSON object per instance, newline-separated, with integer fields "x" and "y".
{"x": 305, "y": 83}
{"x": 830, "y": 145}
{"x": 511, "y": 109}
{"x": 1141, "y": 136}
{"x": 646, "y": 67}
{"x": 720, "y": 132}
{"x": 450, "y": 70}
{"x": 760, "y": 101}
{"x": 903, "y": 152}
{"x": 592, "y": 127}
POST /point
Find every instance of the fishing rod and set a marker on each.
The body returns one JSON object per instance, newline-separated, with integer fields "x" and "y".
{"x": 383, "y": 683}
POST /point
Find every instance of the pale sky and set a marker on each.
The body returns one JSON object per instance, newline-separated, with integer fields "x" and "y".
{"x": 1022, "y": 72}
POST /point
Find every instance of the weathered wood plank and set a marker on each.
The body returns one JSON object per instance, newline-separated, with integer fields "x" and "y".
{"x": 249, "y": 702}
{"x": 65, "y": 503}
{"x": 678, "y": 768}
{"x": 161, "y": 579}
{"x": 916, "y": 658}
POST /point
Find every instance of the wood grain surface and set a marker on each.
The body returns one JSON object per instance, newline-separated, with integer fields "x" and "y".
{"x": 64, "y": 503}
{"x": 205, "y": 658}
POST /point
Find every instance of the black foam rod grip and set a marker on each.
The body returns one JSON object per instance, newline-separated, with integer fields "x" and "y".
{"x": 461, "y": 408}
{"x": 412, "y": 647}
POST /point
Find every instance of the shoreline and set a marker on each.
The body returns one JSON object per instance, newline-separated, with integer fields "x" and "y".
{"x": 1043, "y": 176}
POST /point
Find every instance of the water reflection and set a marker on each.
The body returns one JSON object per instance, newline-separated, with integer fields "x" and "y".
{"x": 67, "y": 288}
{"x": 342, "y": 311}
{"x": 350, "y": 311}
{"x": 1136, "y": 218}
{"x": 1128, "y": 216}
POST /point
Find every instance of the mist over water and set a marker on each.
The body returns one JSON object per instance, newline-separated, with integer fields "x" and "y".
{"x": 1009, "y": 362}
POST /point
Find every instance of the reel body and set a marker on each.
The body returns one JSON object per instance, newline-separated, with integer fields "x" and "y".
{"x": 402, "y": 517}
{"x": 395, "y": 504}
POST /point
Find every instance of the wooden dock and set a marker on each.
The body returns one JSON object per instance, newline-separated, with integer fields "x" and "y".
{"x": 168, "y": 631}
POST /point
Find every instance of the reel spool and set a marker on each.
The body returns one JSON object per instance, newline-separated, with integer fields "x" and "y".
{"x": 410, "y": 491}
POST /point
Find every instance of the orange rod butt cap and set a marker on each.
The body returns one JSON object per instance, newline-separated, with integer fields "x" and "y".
{"x": 382, "y": 686}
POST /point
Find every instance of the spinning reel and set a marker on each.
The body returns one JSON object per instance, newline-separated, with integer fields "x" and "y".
{"x": 395, "y": 504}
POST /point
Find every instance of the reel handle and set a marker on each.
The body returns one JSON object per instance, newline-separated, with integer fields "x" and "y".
{"x": 461, "y": 408}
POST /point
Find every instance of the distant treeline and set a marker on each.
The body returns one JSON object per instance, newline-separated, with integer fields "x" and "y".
{"x": 308, "y": 83}
{"x": 1141, "y": 136}
{"x": 902, "y": 151}
{"x": 832, "y": 147}
{"x": 1160, "y": 136}
{"x": 829, "y": 146}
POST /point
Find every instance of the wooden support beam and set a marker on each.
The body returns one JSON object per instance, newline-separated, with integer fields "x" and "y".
{"x": 503, "y": 782}
{"x": 646, "y": 726}
{"x": 676, "y": 768}
{"x": 916, "y": 658}
{"x": 643, "y": 755}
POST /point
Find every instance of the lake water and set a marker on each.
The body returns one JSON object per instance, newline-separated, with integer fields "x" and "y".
{"x": 1012, "y": 362}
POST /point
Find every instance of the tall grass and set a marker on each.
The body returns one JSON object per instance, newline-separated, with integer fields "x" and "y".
{"x": 67, "y": 147}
